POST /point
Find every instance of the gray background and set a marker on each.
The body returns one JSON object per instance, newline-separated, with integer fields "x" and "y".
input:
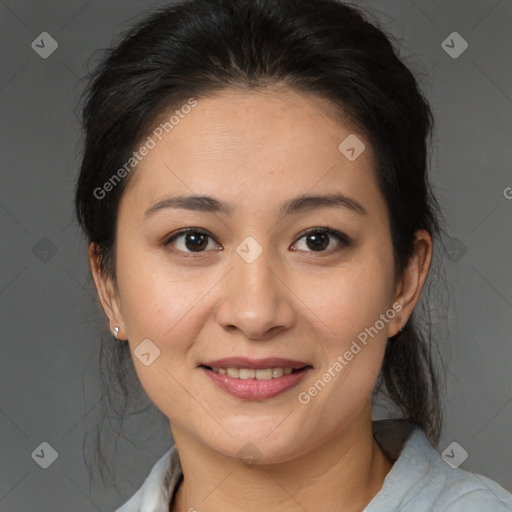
{"x": 50, "y": 322}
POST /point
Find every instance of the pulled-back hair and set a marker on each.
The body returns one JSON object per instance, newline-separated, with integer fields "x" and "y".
{"x": 194, "y": 48}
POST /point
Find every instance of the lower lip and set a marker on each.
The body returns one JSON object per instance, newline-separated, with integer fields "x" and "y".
{"x": 254, "y": 389}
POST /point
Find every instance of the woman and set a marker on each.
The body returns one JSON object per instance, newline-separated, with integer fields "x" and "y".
{"x": 260, "y": 227}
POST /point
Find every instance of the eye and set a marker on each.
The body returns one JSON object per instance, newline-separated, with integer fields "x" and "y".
{"x": 318, "y": 240}
{"x": 194, "y": 240}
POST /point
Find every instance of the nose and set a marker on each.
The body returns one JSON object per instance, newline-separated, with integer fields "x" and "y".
{"x": 256, "y": 299}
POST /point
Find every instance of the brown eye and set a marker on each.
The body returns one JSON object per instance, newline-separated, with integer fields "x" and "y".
{"x": 194, "y": 240}
{"x": 318, "y": 240}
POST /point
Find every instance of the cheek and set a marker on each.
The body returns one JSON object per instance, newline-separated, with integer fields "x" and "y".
{"x": 353, "y": 348}
{"x": 168, "y": 310}
{"x": 145, "y": 296}
{"x": 351, "y": 305}
{"x": 159, "y": 303}
{"x": 354, "y": 297}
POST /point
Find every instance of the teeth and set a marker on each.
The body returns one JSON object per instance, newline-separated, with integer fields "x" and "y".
{"x": 251, "y": 373}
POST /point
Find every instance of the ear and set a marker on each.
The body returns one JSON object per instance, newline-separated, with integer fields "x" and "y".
{"x": 106, "y": 292}
{"x": 408, "y": 288}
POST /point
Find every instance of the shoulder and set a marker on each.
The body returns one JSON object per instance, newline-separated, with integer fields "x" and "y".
{"x": 421, "y": 481}
{"x": 457, "y": 490}
{"x": 478, "y": 500}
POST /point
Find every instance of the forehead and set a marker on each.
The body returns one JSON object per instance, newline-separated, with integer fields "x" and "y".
{"x": 257, "y": 147}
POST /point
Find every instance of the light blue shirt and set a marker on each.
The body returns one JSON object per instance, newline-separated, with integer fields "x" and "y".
{"x": 419, "y": 481}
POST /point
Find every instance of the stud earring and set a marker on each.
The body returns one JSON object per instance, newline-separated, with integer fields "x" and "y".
{"x": 116, "y": 331}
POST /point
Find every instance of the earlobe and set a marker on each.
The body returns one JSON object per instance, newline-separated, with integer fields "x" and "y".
{"x": 106, "y": 292}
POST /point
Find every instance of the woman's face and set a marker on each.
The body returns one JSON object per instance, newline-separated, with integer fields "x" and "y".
{"x": 255, "y": 285}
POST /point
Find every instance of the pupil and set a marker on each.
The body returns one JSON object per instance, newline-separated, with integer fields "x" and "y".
{"x": 196, "y": 241}
{"x": 319, "y": 240}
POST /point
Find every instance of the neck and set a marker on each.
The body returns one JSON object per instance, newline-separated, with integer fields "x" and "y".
{"x": 344, "y": 473}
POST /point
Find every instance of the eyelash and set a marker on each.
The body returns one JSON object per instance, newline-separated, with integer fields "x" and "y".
{"x": 344, "y": 240}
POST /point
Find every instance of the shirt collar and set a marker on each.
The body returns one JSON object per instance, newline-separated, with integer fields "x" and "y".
{"x": 395, "y": 436}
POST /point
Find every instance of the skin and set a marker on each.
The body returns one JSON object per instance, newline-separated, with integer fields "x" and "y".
{"x": 257, "y": 149}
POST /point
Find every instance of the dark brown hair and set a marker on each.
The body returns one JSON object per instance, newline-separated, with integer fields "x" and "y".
{"x": 193, "y": 48}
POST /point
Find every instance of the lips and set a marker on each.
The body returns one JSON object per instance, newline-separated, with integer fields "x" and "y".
{"x": 288, "y": 373}
{"x": 254, "y": 389}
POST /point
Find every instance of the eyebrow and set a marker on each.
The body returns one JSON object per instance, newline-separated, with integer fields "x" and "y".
{"x": 297, "y": 204}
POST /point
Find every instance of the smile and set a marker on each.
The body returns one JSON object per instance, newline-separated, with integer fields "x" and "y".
{"x": 251, "y": 373}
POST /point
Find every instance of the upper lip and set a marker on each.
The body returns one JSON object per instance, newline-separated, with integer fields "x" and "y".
{"x": 245, "y": 362}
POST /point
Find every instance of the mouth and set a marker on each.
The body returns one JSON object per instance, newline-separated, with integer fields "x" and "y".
{"x": 256, "y": 379}
{"x": 261, "y": 369}
{"x": 252, "y": 373}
